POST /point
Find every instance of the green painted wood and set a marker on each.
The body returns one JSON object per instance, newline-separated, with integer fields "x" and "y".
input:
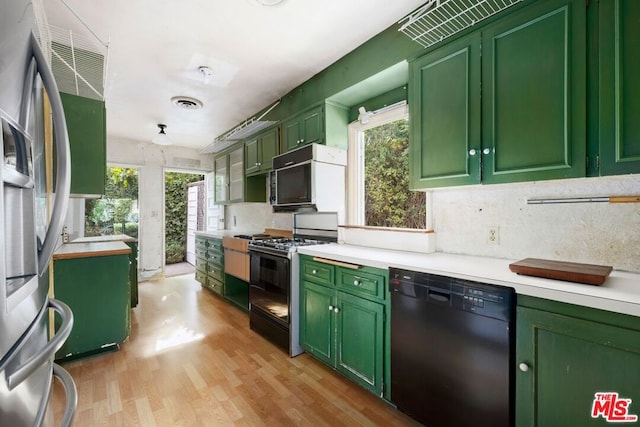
{"x": 291, "y": 133}
{"x": 133, "y": 272}
{"x": 325, "y": 123}
{"x": 359, "y": 336}
{"x": 569, "y": 361}
{"x": 251, "y": 156}
{"x": 336, "y": 120}
{"x": 86, "y": 124}
{"x": 366, "y": 282}
{"x": 533, "y": 94}
{"x": 97, "y": 291}
{"x": 317, "y": 328}
{"x": 269, "y": 148}
{"x": 231, "y": 184}
{"x": 619, "y": 89}
{"x": 444, "y": 115}
{"x": 237, "y": 291}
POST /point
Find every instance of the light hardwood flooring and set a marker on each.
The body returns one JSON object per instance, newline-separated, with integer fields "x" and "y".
{"x": 191, "y": 360}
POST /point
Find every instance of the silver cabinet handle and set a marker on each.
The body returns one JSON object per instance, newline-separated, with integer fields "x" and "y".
{"x": 356, "y": 283}
{"x": 486, "y": 151}
{"x": 35, "y": 361}
{"x": 302, "y": 140}
{"x": 314, "y": 271}
{"x": 472, "y": 152}
{"x": 336, "y": 309}
{"x": 523, "y": 367}
{"x": 63, "y": 172}
{"x": 330, "y": 308}
{"x": 70, "y": 391}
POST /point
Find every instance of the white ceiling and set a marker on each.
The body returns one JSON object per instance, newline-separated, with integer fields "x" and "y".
{"x": 257, "y": 54}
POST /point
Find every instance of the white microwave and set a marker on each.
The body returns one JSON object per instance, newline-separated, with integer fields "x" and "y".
{"x": 309, "y": 178}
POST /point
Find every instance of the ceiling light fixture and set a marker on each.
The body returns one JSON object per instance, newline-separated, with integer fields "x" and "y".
{"x": 207, "y": 74}
{"x": 161, "y": 138}
{"x": 268, "y": 2}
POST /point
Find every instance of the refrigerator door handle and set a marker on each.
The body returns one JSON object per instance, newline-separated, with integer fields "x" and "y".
{"x": 63, "y": 172}
{"x": 27, "y": 93}
{"x": 71, "y": 393}
{"x": 34, "y": 362}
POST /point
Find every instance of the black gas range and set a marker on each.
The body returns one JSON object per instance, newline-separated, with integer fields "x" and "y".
{"x": 274, "y": 290}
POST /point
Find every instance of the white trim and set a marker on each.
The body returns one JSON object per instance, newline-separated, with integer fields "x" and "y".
{"x": 355, "y": 165}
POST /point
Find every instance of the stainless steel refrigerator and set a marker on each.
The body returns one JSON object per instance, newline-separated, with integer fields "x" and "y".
{"x": 32, "y": 212}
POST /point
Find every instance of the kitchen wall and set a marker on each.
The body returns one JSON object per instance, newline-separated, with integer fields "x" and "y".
{"x": 598, "y": 233}
{"x": 255, "y": 217}
{"x": 152, "y": 161}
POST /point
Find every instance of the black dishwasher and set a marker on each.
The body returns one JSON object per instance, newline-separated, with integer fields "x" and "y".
{"x": 451, "y": 350}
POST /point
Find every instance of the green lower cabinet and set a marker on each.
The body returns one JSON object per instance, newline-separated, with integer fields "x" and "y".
{"x": 210, "y": 263}
{"x": 342, "y": 328}
{"x": 97, "y": 291}
{"x": 563, "y": 362}
{"x": 359, "y": 335}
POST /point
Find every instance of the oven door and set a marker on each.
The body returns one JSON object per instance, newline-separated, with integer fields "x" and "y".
{"x": 270, "y": 277}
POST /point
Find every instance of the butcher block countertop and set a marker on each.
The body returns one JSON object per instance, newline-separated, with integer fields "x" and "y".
{"x": 620, "y": 292}
{"x": 92, "y": 249}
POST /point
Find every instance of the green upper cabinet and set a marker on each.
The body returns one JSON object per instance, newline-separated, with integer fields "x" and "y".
{"x": 534, "y": 94}
{"x": 563, "y": 360}
{"x": 619, "y": 87}
{"x": 323, "y": 124}
{"x": 260, "y": 150}
{"x": 505, "y": 103}
{"x": 231, "y": 185}
{"x": 444, "y": 109}
{"x": 86, "y": 124}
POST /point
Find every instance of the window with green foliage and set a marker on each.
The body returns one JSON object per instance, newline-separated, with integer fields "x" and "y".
{"x": 117, "y": 211}
{"x": 379, "y": 194}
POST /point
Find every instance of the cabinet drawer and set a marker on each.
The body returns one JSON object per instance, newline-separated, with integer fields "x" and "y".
{"x": 215, "y": 271}
{"x": 201, "y": 242}
{"x": 216, "y": 258}
{"x": 215, "y": 246}
{"x": 201, "y": 277}
{"x": 215, "y": 285}
{"x": 201, "y": 264}
{"x": 317, "y": 272}
{"x": 201, "y": 252}
{"x": 362, "y": 283}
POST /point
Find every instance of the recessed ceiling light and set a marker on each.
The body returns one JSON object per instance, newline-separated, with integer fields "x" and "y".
{"x": 268, "y": 2}
{"x": 187, "y": 103}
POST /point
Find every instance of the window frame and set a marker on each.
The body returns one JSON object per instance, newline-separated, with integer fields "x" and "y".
{"x": 355, "y": 162}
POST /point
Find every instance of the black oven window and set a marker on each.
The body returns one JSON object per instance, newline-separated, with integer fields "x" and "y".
{"x": 270, "y": 286}
{"x": 294, "y": 184}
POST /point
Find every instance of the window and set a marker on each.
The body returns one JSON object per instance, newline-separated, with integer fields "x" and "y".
{"x": 378, "y": 172}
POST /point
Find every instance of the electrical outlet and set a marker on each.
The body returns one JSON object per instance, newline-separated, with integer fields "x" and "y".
{"x": 493, "y": 235}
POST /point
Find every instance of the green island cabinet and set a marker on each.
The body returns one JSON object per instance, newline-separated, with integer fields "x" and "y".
{"x": 231, "y": 185}
{"x": 93, "y": 280}
{"x": 619, "y": 87}
{"x": 343, "y": 320}
{"x": 503, "y": 103}
{"x": 323, "y": 124}
{"x": 565, "y": 354}
{"x": 86, "y": 124}
{"x": 260, "y": 150}
{"x": 210, "y": 263}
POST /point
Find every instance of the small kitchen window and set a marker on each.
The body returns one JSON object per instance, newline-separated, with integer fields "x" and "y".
{"x": 378, "y": 172}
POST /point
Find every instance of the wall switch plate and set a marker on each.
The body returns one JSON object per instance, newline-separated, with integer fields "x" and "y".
{"x": 493, "y": 235}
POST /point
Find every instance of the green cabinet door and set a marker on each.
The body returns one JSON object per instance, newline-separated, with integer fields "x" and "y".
{"x": 221, "y": 178}
{"x": 291, "y": 133}
{"x": 317, "y": 321}
{"x": 251, "y": 156}
{"x": 444, "y": 115}
{"x": 269, "y": 148}
{"x": 562, "y": 362}
{"x": 312, "y": 124}
{"x": 533, "y": 94}
{"x": 359, "y": 338}
{"x": 86, "y": 124}
{"x": 619, "y": 87}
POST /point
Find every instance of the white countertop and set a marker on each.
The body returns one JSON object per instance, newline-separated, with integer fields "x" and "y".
{"x": 619, "y": 293}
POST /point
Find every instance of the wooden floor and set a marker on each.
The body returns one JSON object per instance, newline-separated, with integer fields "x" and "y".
{"x": 192, "y": 360}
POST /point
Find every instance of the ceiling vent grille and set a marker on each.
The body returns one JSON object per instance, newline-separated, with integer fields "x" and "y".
{"x": 78, "y": 59}
{"x": 440, "y": 19}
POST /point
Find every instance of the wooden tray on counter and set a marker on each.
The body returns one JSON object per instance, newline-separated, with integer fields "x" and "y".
{"x": 589, "y": 274}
